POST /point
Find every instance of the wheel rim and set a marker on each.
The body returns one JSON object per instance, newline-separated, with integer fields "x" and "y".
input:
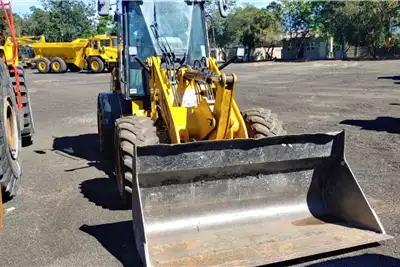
{"x": 95, "y": 65}
{"x": 56, "y": 66}
{"x": 11, "y": 129}
{"x": 42, "y": 65}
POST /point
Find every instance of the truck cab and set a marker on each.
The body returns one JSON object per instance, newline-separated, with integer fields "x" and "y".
{"x": 101, "y": 53}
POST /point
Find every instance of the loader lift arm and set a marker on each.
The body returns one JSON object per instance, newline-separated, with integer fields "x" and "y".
{"x": 211, "y": 184}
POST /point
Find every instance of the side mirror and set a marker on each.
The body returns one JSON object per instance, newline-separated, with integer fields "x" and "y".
{"x": 103, "y": 7}
{"x": 223, "y": 8}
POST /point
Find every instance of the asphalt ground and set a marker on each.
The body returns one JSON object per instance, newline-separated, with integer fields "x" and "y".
{"x": 68, "y": 212}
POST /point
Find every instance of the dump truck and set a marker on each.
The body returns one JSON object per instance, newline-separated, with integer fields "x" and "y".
{"x": 16, "y": 121}
{"x": 95, "y": 54}
{"x": 212, "y": 184}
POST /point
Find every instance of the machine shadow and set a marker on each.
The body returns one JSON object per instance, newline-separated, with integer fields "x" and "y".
{"x": 103, "y": 192}
{"x": 394, "y": 78}
{"x": 380, "y": 124}
{"x": 84, "y": 146}
{"x": 94, "y": 73}
{"x": 118, "y": 239}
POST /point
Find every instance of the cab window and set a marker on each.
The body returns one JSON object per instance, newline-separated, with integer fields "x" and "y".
{"x": 104, "y": 42}
{"x": 94, "y": 44}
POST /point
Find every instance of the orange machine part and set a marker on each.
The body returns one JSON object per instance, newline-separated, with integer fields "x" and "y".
{"x": 8, "y": 15}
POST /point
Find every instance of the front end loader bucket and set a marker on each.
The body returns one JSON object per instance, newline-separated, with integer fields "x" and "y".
{"x": 248, "y": 202}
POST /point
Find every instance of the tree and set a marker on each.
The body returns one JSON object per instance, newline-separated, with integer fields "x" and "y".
{"x": 106, "y": 25}
{"x": 17, "y": 24}
{"x": 68, "y": 19}
{"x": 360, "y": 23}
{"x": 299, "y": 18}
{"x": 376, "y": 19}
{"x": 37, "y": 23}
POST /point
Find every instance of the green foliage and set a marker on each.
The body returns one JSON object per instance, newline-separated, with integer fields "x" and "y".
{"x": 363, "y": 23}
{"x": 37, "y": 23}
{"x": 106, "y": 25}
{"x": 247, "y": 26}
{"x": 62, "y": 21}
{"x": 68, "y": 19}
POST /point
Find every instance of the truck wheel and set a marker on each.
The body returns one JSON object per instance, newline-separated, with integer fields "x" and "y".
{"x": 26, "y": 125}
{"x": 10, "y": 132}
{"x": 130, "y": 131}
{"x": 262, "y": 123}
{"x": 58, "y": 65}
{"x": 73, "y": 68}
{"x": 96, "y": 65}
{"x": 43, "y": 65}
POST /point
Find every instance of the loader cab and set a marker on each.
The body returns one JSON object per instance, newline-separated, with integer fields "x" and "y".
{"x": 152, "y": 28}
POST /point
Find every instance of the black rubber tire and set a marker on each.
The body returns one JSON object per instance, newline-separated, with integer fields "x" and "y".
{"x": 63, "y": 65}
{"x": 99, "y": 61}
{"x": 47, "y": 62}
{"x": 105, "y": 136}
{"x": 27, "y": 123}
{"x": 10, "y": 168}
{"x": 73, "y": 67}
{"x": 129, "y": 131}
{"x": 262, "y": 123}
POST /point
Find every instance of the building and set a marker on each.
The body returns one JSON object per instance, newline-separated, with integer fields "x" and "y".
{"x": 302, "y": 45}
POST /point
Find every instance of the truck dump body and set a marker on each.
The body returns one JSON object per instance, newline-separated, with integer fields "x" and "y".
{"x": 71, "y": 52}
{"x": 248, "y": 202}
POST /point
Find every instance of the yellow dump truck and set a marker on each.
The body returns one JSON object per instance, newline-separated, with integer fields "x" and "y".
{"x": 95, "y": 54}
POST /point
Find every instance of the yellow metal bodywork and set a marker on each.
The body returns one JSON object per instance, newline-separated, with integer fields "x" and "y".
{"x": 6, "y": 52}
{"x": 25, "y": 42}
{"x": 207, "y": 119}
{"x": 72, "y": 52}
{"x": 102, "y": 46}
{"x": 79, "y": 50}
{"x": 28, "y": 40}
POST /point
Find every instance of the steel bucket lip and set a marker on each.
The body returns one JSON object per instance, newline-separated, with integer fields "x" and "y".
{"x": 239, "y": 143}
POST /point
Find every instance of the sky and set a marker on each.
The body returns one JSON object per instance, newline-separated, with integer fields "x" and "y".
{"x": 22, "y": 6}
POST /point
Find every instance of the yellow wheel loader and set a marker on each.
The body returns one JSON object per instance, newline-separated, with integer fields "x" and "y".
{"x": 15, "y": 111}
{"x": 211, "y": 184}
{"x": 26, "y": 53}
{"x": 8, "y": 50}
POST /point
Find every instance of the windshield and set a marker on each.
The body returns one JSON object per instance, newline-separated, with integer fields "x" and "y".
{"x": 104, "y": 42}
{"x": 157, "y": 26}
{"x": 114, "y": 42}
